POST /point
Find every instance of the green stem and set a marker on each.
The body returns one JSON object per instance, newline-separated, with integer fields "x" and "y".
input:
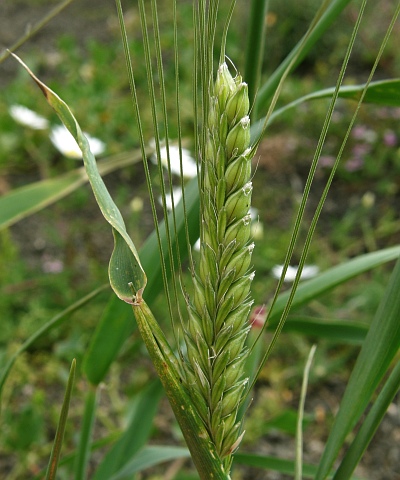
{"x": 201, "y": 447}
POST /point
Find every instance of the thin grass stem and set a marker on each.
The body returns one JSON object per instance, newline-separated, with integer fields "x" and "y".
{"x": 300, "y": 416}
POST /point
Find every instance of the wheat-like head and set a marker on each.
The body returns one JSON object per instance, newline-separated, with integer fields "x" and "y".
{"x": 217, "y": 326}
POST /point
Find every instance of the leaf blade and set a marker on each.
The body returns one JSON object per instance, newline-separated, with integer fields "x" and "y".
{"x": 56, "y": 450}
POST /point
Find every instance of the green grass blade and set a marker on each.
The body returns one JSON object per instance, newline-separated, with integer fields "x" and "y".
{"x": 343, "y": 331}
{"x": 369, "y": 426}
{"x": 54, "y": 322}
{"x": 276, "y": 464}
{"x": 125, "y": 268}
{"x": 136, "y": 434}
{"x": 300, "y": 417}
{"x": 380, "y": 346}
{"x": 85, "y": 439}
{"x": 115, "y": 326}
{"x": 273, "y": 463}
{"x": 300, "y": 51}
{"x": 56, "y": 450}
{"x": 24, "y": 201}
{"x": 333, "y": 277}
{"x": 381, "y": 92}
{"x": 149, "y": 457}
{"x": 255, "y": 47}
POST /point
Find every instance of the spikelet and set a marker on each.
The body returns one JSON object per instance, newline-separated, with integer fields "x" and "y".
{"x": 217, "y": 326}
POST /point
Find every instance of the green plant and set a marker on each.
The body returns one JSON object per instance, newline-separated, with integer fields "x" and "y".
{"x": 205, "y": 403}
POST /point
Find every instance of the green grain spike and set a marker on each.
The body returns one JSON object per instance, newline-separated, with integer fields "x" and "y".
{"x": 220, "y": 304}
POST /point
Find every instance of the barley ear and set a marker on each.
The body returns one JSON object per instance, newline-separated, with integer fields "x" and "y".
{"x": 218, "y": 309}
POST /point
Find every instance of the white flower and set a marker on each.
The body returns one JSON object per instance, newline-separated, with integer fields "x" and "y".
{"x": 196, "y": 246}
{"x": 28, "y": 118}
{"x": 189, "y": 166}
{"x": 308, "y": 271}
{"x": 66, "y": 144}
{"x": 177, "y": 193}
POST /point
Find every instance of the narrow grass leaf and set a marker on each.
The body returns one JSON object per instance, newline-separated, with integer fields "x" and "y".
{"x": 115, "y": 326}
{"x": 380, "y": 346}
{"x": 343, "y": 331}
{"x": 149, "y": 457}
{"x": 333, "y": 277}
{"x": 274, "y": 464}
{"x": 56, "y": 450}
{"x": 299, "y": 52}
{"x": 277, "y": 464}
{"x": 24, "y": 201}
{"x": 299, "y": 430}
{"x": 369, "y": 426}
{"x": 85, "y": 438}
{"x": 125, "y": 267}
{"x": 135, "y": 435}
{"x": 381, "y": 92}
{"x": 255, "y": 46}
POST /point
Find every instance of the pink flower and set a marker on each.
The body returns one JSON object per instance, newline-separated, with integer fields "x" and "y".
{"x": 361, "y": 132}
{"x": 389, "y": 138}
{"x": 258, "y": 316}
{"x": 354, "y": 164}
{"x": 326, "y": 161}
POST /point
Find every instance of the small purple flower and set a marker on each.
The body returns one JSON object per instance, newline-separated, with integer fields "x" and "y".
{"x": 326, "y": 161}
{"x": 361, "y": 132}
{"x": 389, "y": 138}
{"x": 52, "y": 265}
{"x": 396, "y": 112}
{"x": 360, "y": 150}
{"x": 354, "y": 164}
